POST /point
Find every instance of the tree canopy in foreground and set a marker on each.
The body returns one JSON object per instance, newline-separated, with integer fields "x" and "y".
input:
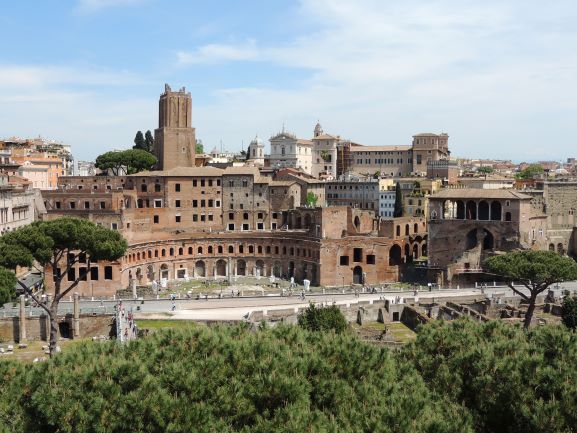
{"x": 455, "y": 377}
{"x": 225, "y": 380}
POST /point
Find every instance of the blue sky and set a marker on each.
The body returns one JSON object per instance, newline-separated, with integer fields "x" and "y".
{"x": 498, "y": 76}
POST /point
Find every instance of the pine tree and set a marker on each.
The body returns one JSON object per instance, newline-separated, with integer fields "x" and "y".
{"x": 398, "y": 212}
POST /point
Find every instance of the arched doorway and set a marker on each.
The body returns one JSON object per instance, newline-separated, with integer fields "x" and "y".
{"x": 291, "y": 269}
{"x": 488, "y": 240}
{"x": 471, "y": 210}
{"x": 495, "y": 211}
{"x": 164, "y": 272}
{"x": 358, "y": 275}
{"x": 259, "y": 268}
{"x": 277, "y": 269}
{"x": 240, "y": 267}
{"x": 407, "y": 253}
{"x": 460, "y": 210}
{"x": 560, "y": 249}
{"x": 395, "y": 254}
{"x": 221, "y": 268}
{"x": 200, "y": 269}
{"x": 424, "y": 249}
{"x": 483, "y": 210}
{"x": 471, "y": 239}
{"x": 415, "y": 251}
{"x": 551, "y": 247}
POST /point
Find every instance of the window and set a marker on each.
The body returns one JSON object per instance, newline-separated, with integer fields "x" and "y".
{"x": 260, "y": 226}
{"x": 177, "y": 203}
{"x": 260, "y": 215}
{"x": 156, "y": 187}
{"x": 245, "y": 215}
{"x": 370, "y": 259}
{"x": 86, "y": 205}
{"x": 82, "y": 274}
{"x": 156, "y": 219}
{"x": 102, "y": 205}
{"x": 358, "y": 254}
{"x": 195, "y": 218}
{"x": 114, "y": 226}
{"x": 218, "y": 182}
{"x": 231, "y": 216}
{"x": 57, "y": 205}
{"x": 210, "y": 182}
{"x": 194, "y": 203}
{"x": 108, "y": 272}
{"x": 210, "y": 203}
{"x": 202, "y": 182}
{"x": 217, "y": 203}
{"x": 246, "y": 227}
{"x": 230, "y": 249}
{"x": 194, "y": 182}
{"x": 231, "y": 226}
{"x": 219, "y": 249}
{"x": 143, "y": 187}
{"x": 241, "y": 249}
{"x": 176, "y": 187}
{"x": 94, "y": 274}
{"x": 158, "y": 203}
{"x": 203, "y": 217}
{"x": 177, "y": 218}
{"x": 203, "y": 203}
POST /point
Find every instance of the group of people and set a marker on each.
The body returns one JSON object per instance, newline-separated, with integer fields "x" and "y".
{"x": 126, "y": 325}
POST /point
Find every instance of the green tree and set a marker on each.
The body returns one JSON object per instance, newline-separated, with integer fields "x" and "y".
{"x": 8, "y": 282}
{"x": 324, "y": 319}
{"x": 148, "y": 141}
{"x": 139, "y": 142}
{"x": 199, "y": 147}
{"x": 530, "y": 171}
{"x": 398, "y": 211}
{"x": 486, "y": 169}
{"x": 377, "y": 174}
{"x": 58, "y": 245}
{"x": 311, "y": 199}
{"x": 536, "y": 270}
{"x": 125, "y": 161}
{"x": 508, "y": 379}
{"x": 229, "y": 380}
{"x": 569, "y": 312}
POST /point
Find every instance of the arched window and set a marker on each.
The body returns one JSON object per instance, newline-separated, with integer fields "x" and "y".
{"x": 171, "y": 251}
{"x": 199, "y": 250}
{"x": 219, "y": 249}
{"x": 230, "y": 249}
{"x": 210, "y": 249}
{"x": 190, "y": 250}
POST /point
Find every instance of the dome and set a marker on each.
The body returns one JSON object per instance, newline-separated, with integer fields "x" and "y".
{"x": 256, "y": 141}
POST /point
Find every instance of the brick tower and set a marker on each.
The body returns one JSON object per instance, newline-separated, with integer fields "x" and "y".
{"x": 174, "y": 140}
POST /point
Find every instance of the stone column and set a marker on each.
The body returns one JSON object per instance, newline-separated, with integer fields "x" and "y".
{"x": 22, "y": 322}
{"x": 477, "y": 213}
{"x": 134, "y": 293}
{"x": 76, "y": 322}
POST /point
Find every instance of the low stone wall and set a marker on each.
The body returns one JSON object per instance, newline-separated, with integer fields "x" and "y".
{"x": 37, "y": 327}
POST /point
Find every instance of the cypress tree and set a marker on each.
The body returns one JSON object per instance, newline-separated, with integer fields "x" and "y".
{"x": 139, "y": 141}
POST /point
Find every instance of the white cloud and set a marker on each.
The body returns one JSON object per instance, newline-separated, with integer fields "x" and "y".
{"x": 381, "y": 71}
{"x": 89, "y": 6}
{"x": 216, "y": 53}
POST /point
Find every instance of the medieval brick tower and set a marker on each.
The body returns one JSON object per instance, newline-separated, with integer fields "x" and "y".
{"x": 174, "y": 140}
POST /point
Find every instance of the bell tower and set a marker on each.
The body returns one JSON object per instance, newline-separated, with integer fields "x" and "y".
{"x": 174, "y": 140}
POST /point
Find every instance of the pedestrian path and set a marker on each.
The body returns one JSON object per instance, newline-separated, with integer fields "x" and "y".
{"x": 126, "y": 328}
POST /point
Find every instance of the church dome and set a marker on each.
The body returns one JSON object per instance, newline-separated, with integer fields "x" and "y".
{"x": 256, "y": 141}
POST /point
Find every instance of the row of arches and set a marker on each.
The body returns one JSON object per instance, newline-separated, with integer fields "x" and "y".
{"x": 560, "y": 248}
{"x": 205, "y": 250}
{"x": 474, "y": 210}
{"x": 399, "y": 255}
{"x": 223, "y": 268}
{"x": 407, "y": 229}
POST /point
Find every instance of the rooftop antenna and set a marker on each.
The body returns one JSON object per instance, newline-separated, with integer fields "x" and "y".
{"x": 221, "y": 145}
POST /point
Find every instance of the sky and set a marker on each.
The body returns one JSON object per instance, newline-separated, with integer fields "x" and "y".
{"x": 499, "y": 76}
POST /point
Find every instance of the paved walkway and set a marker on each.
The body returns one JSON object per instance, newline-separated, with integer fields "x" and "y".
{"x": 239, "y": 309}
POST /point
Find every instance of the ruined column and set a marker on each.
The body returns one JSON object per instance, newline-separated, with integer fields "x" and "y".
{"x": 76, "y": 320}
{"x": 22, "y": 322}
{"x": 134, "y": 293}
